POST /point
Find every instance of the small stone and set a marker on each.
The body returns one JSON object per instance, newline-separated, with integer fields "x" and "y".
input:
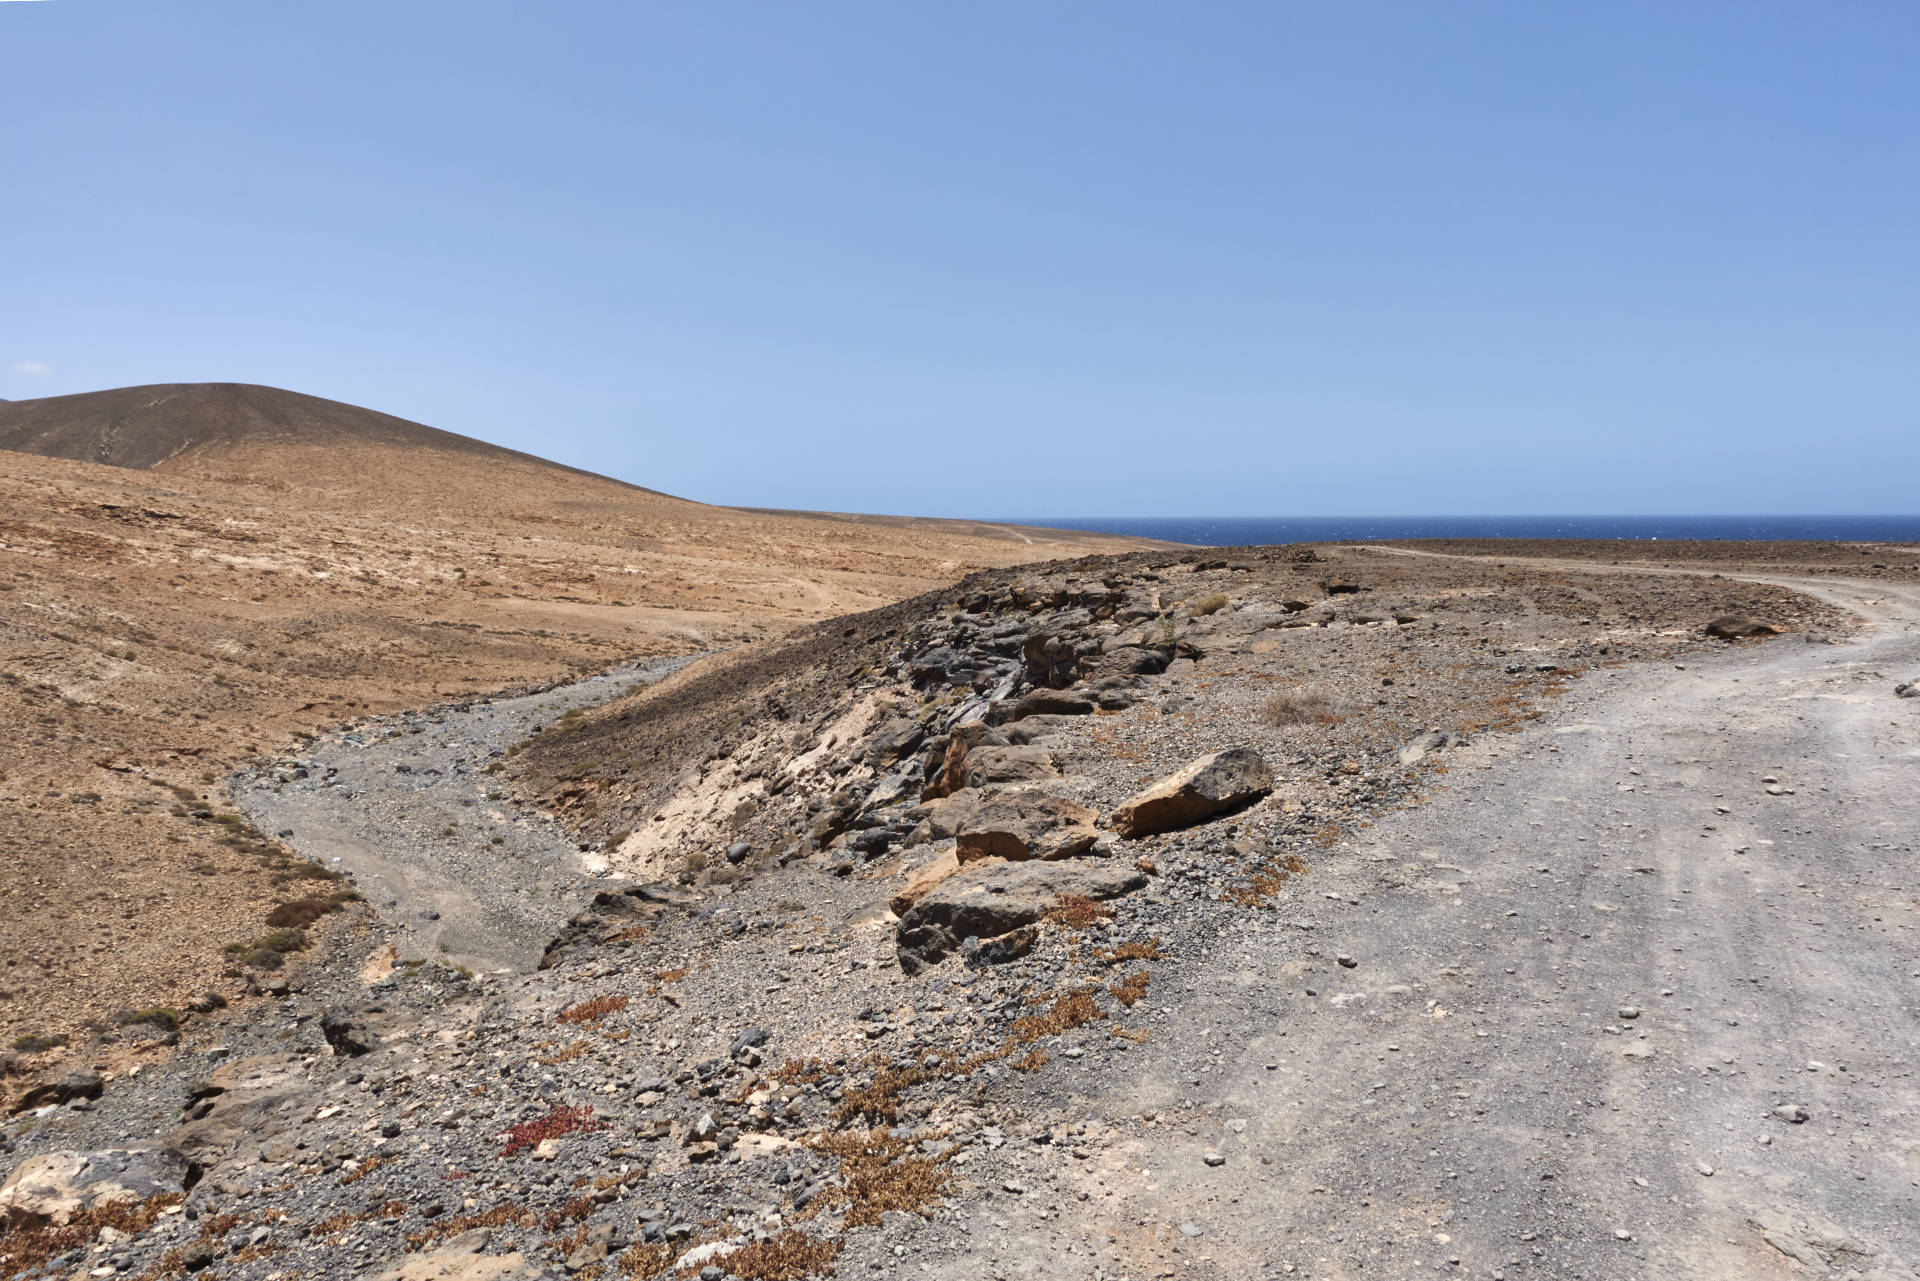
{"x": 1190, "y": 1229}
{"x": 1215, "y": 1158}
{"x": 1621, "y": 1234}
{"x": 1792, "y": 1113}
{"x": 1346, "y": 962}
{"x": 1706, "y": 1171}
{"x": 1628, "y": 1011}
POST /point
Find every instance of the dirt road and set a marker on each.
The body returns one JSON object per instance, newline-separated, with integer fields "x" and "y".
{"x": 1637, "y": 996}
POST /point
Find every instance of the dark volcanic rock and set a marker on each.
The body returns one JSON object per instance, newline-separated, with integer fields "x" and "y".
{"x": 1736, "y": 627}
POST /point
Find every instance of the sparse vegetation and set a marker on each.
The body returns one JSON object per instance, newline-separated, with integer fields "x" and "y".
{"x": 1301, "y": 707}
{"x": 556, "y": 1124}
{"x": 593, "y": 1010}
{"x": 34, "y": 1042}
{"x": 1210, "y": 604}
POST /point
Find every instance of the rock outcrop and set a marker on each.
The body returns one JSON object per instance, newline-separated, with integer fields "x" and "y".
{"x": 54, "y": 1186}
{"x": 1017, "y": 826}
{"x": 991, "y": 899}
{"x": 1211, "y": 785}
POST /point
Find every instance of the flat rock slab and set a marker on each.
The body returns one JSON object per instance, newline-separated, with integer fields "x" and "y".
{"x": 53, "y": 1186}
{"x": 1017, "y": 826}
{"x": 1211, "y": 785}
{"x": 987, "y": 900}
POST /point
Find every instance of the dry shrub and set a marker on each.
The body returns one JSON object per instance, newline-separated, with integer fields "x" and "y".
{"x": 303, "y": 912}
{"x": 1129, "y": 990}
{"x": 801, "y": 1071}
{"x": 1267, "y": 881}
{"x": 883, "y": 1171}
{"x": 567, "y": 1055}
{"x": 1136, "y": 951}
{"x": 792, "y": 1255}
{"x": 1033, "y": 1061}
{"x": 578, "y": 1208}
{"x": 1210, "y": 604}
{"x": 648, "y": 1259}
{"x": 25, "y": 1249}
{"x": 367, "y": 1166}
{"x": 592, "y": 1011}
{"x": 1135, "y": 1035}
{"x": 499, "y": 1216}
{"x": 1301, "y": 707}
{"x": 561, "y": 1121}
{"x": 670, "y": 976}
{"x": 1077, "y": 912}
{"x": 1069, "y": 1011}
{"x": 880, "y": 1101}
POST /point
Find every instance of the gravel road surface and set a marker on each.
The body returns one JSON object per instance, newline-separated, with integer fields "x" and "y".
{"x": 1636, "y": 997}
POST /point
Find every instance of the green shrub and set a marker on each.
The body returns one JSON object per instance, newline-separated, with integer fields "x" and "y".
{"x": 34, "y": 1042}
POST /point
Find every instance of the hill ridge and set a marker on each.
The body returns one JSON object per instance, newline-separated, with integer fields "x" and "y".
{"x": 146, "y": 427}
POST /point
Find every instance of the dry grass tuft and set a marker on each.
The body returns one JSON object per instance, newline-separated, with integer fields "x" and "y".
{"x": 1148, "y": 951}
{"x": 1267, "y": 881}
{"x": 1033, "y": 1061}
{"x": 792, "y": 1255}
{"x": 1301, "y": 707}
{"x": 365, "y": 1168}
{"x": 801, "y": 1071}
{"x": 647, "y": 1260}
{"x": 500, "y": 1216}
{"x": 1130, "y": 989}
{"x": 883, "y": 1171}
{"x": 1069, "y": 1011}
{"x": 1077, "y": 912}
{"x": 880, "y": 1101}
{"x": 1210, "y": 604}
{"x": 592, "y": 1011}
{"x": 23, "y": 1250}
{"x": 567, "y": 1055}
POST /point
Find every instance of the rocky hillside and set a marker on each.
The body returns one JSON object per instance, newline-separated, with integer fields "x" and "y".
{"x": 881, "y": 900}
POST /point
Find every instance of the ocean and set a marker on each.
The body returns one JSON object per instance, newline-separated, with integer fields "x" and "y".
{"x": 1257, "y": 531}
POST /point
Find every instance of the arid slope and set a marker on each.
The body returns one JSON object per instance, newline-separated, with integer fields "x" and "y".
{"x": 264, "y": 564}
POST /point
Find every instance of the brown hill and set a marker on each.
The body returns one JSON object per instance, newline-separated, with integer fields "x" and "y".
{"x": 167, "y": 426}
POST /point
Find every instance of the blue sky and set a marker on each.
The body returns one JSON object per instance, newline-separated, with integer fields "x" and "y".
{"x": 1008, "y": 259}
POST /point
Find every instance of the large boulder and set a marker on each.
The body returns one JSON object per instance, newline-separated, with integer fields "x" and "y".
{"x": 985, "y": 766}
{"x": 54, "y": 1186}
{"x": 1735, "y": 627}
{"x": 990, "y": 899}
{"x": 243, "y": 1102}
{"x": 347, "y": 1032}
{"x": 1052, "y": 656}
{"x": 74, "y": 1085}
{"x": 943, "y": 864}
{"x": 1025, "y": 825}
{"x": 1213, "y": 784}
